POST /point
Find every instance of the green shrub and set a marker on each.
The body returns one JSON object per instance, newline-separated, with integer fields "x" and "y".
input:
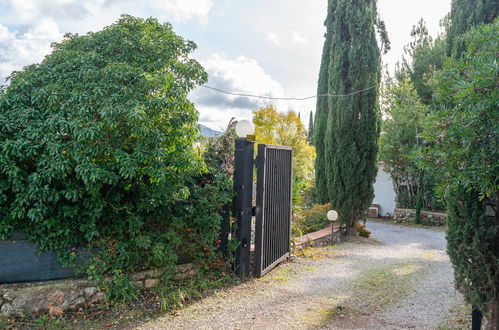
{"x": 310, "y": 220}
{"x": 96, "y": 148}
{"x": 464, "y": 152}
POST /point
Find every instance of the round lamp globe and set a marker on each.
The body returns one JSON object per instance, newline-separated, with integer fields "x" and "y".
{"x": 332, "y": 215}
{"x": 244, "y": 128}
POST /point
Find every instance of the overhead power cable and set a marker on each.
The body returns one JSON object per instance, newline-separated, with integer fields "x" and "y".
{"x": 285, "y": 98}
{"x": 302, "y": 98}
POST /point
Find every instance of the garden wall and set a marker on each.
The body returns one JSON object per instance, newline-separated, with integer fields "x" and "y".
{"x": 427, "y": 217}
{"x": 61, "y": 295}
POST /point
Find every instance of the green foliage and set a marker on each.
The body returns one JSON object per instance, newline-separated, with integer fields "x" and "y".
{"x": 425, "y": 56}
{"x": 463, "y": 129}
{"x": 219, "y": 152}
{"x": 311, "y": 127}
{"x": 465, "y": 14}
{"x": 322, "y": 113}
{"x": 310, "y": 220}
{"x": 401, "y": 141}
{"x": 472, "y": 247}
{"x": 406, "y": 102}
{"x": 96, "y": 148}
{"x": 273, "y": 127}
{"x": 176, "y": 294}
{"x": 119, "y": 289}
{"x": 464, "y": 153}
{"x": 347, "y": 128}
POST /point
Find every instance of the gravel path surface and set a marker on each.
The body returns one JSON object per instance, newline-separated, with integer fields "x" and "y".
{"x": 404, "y": 280}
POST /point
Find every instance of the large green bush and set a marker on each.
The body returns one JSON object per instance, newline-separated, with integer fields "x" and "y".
{"x": 464, "y": 153}
{"x": 96, "y": 146}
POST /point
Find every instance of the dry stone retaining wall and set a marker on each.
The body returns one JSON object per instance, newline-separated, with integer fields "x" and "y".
{"x": 427, "y": 217}
{"x": 24, "y": 298}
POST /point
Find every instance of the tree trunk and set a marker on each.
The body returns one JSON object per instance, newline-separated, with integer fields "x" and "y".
{"x": 490, "y": 320}
{"x": 352, "y": 229}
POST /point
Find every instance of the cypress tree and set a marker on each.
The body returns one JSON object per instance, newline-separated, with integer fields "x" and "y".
{"x": 347, "y": 127}
{"x": 322, "y": 112}
{"x": 310, "y": 127}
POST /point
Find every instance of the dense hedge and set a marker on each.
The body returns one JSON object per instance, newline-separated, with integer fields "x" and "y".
{"x": 464, "y": 153}
{"x": 96, "y": 147}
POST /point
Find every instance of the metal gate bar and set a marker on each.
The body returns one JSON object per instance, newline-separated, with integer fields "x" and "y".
{"x": 273, "y": 207}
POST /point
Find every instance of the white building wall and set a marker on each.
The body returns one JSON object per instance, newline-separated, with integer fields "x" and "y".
{"x": 384, "y": 194}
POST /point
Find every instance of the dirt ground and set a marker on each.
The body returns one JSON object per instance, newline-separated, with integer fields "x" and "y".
{"x": 401, "y": 278}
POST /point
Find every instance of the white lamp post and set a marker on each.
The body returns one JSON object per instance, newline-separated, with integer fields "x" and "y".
{"x": 332, "y": 216}
{"x": 245, "y": 129}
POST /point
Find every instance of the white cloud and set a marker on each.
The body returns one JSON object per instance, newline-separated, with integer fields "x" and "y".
{"x": 298, "y": 38}
{"x": 244, "y": 74}
{"x": 28, "y": 11}
{"x": 19, "y": 49}
{"x": 183, "y": 10}
{"x": 271, "y": 36}
{"x": 240, "y": 75}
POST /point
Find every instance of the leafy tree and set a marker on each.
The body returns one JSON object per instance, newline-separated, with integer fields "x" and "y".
{"x": 272, "y": 127}
{"x": 465, "y": 14}
{"x": 464, "y": 152}
{"x": 423, "y": 57}
{"x": 347, "y": 127}
{"x": 404, "y": 114}
{"x": 96, "y": 146}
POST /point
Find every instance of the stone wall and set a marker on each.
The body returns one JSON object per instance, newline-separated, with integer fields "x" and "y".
{"x": 427, "y": 218}
{"x": 61, "y": 295}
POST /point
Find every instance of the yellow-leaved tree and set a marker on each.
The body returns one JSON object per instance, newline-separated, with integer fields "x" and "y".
{"x": 273, "y": 127}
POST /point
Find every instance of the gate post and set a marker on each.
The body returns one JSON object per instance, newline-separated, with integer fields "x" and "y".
{"x": 242, "y": 206}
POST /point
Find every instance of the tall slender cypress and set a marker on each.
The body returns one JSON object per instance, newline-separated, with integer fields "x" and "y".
{"x": 310, "y": 127}
{"x": 347, "y": 127}
{"x": 322, "y": 113}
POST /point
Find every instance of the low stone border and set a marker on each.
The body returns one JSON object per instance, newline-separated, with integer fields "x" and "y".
{"x": 317, "y": 238}
{"x": 427, "y": 217}
{"x": 50, "y": 296}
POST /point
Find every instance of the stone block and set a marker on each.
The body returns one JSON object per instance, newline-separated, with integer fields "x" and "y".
{"x": 90, "y": 291}
{"x": 151, "y": 283}
{"x": 98, "y": 297}
{"x": 154, "y": 273}
{"x": 9, "y": 295}
{"x": 6, "y": 309}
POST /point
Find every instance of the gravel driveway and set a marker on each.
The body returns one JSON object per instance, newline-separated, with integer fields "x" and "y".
{"x": 401, "y": 279}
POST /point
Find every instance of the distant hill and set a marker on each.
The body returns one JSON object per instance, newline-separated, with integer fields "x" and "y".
{"x": 208, "y": 132}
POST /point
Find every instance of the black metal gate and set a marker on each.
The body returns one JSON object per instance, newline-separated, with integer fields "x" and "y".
{"x": 273, "y": 207}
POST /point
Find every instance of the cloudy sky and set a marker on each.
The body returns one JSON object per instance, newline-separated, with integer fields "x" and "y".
{"x": 263, "y": 47}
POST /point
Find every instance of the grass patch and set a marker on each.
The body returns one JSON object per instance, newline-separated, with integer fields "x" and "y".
{"x": 282, "y": 273}
{"x": 338, "y": 312}
{"x": 374, "y": 290}
{"x": 380, "y": 287}
{"x": 459, "y": 317}
{"x": 316, "y": 253}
